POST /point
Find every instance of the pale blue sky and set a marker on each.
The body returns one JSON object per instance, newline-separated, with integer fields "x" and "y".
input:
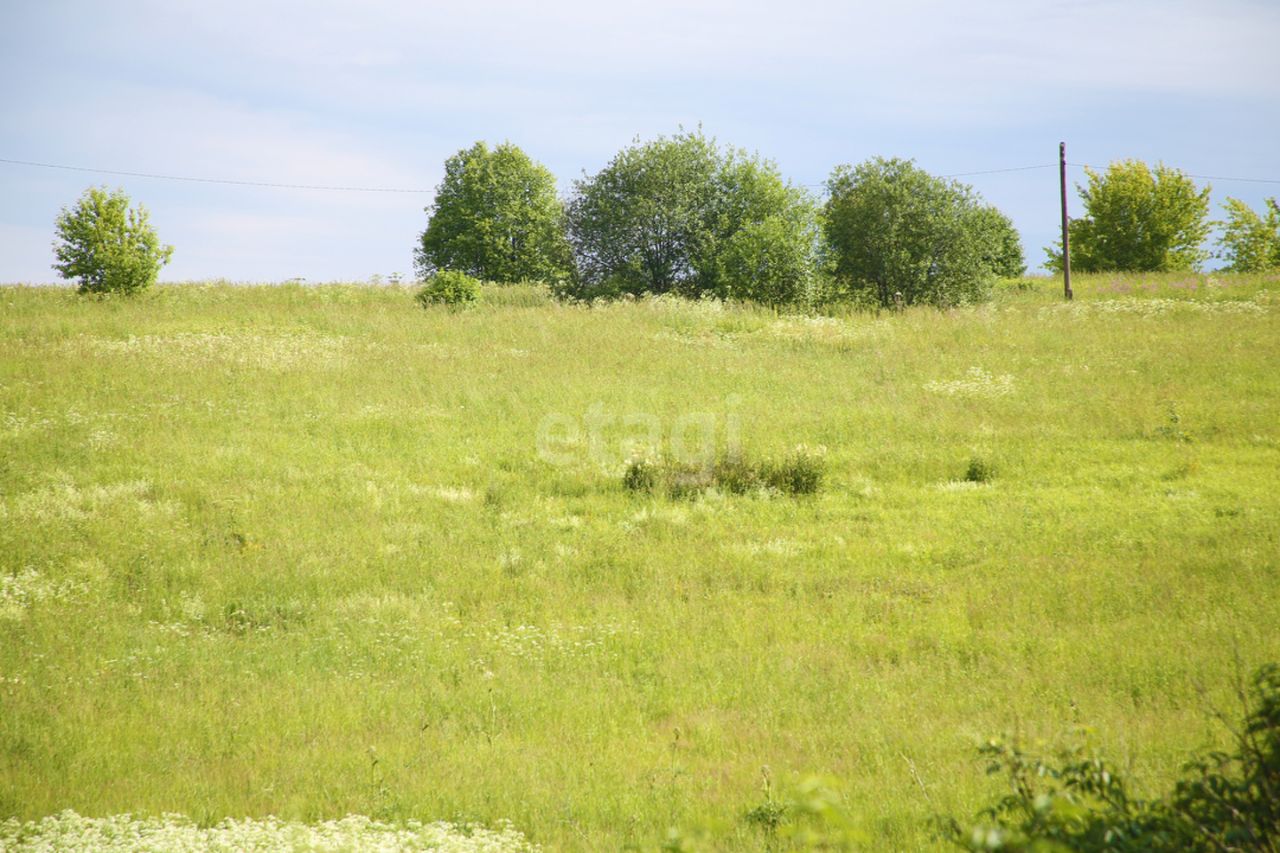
{"x": 380, "y": 93}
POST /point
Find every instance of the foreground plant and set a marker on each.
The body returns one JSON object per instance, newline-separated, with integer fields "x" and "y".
{"x": 1076, "y": 801}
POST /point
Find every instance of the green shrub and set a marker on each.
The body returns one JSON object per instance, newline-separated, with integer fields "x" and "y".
{"x": 799, "y": 473}
{"x": 736, "y": 475}
{"x": 641, "y": 476}
{"x": 980, "y": 470}
{"x": 1076, "y": 801}
{"x": 108, "y": 246}
{"x": 449, "y": 287}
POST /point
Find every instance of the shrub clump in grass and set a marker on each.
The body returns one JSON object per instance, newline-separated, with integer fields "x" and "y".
{"x": 449, "y": 287}
{"x": 798, "y": 473}
{"x": 641, "y": 476}
{"x": 980, "y": 470}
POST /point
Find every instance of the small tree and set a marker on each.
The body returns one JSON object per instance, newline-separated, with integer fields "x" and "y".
{"x": 108, "y": 246}
{"x": 683, "y": 215}
{"x": 1249, "y": 242}
{"x": 1138, "y": 220}
{"x": 496, "y": 217}
{"x": 896, "y": 231}
{"x": 1004, "y": 247}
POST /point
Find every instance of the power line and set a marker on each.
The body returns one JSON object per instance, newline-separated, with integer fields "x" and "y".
{"x": 996, "y": 171}
{"x": 189, "y": 179}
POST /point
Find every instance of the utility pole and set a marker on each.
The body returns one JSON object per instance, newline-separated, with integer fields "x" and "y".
{"x": 1066, "y": 227}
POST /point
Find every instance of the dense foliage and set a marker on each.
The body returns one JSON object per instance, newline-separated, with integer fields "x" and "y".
{"x": 1250, "y": 242}
{"x": 108, "y": 246}
{"x": 1002, "y": 246}
{"x": 496, "y": 217}
{"x": 905, "y": 236}
{"x": 683, "y": 215}
{"x": 1138, "y": 220}
{"x": 1078, "y": 802}
{"x": 449, "y": 287}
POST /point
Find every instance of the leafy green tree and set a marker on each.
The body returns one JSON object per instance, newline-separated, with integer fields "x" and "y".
{"x": 1249, "y": 242}
{"x": 899, "y": 233}
{"x": 495, "y": 217}
{"x": 770, "y": 261}
{"x": 1138, "y": 220}
{"x": 108, "y": 246}
{"x": 763, "y": 240}
{"x": 1004, "y": 246}
{"x": 682, "y": 215}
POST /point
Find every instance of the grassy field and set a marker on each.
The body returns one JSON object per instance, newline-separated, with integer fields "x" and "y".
{"x": 312, "y": 551}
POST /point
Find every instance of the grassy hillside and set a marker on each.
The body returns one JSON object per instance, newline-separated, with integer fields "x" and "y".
{"x": 311, "y": 551}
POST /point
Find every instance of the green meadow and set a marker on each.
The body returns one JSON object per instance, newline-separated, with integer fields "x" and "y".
{"x": 311, "y": 551}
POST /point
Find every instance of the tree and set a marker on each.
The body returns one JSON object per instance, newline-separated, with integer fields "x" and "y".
{"x": 1138, "y": 220}
{"x": 496, "y": 217}
{"x": 897, "y": 232}
{"x": 682, "y": 215}
{"x": 1004, "y": 246}
{"x": 107, "y": 245}
{"x": 763, "y": 241}
{"x": 1249, "y": 242}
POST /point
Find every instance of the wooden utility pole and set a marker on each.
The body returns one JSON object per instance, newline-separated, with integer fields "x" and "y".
{"x": 1066, "y": 227}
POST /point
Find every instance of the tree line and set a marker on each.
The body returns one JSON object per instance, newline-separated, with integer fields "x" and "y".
{"x": 687, "y": 216}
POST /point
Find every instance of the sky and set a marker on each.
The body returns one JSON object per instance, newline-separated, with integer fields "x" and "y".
{"x": 380, "y": 93}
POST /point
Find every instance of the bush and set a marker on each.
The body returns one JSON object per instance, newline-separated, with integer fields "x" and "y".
{"x": 108, "y": 246}
{"x": 1076, "y": 801}
{"x": 1003, "y": 246}
{"x": 1249, "y": 242}
{"x": 496, "y": 216}
{"x": 1138, "y": 220}
{"x": 908, "y": 237}
{"x": 641, "y": 476}
{"x": 682, "y": 215}
{"x": 799, "y": 473}
{"x": 979, "y": 471}
{"x": 449, "y": 287}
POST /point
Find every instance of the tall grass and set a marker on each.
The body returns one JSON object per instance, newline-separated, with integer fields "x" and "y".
{"x": 295, "y": 551}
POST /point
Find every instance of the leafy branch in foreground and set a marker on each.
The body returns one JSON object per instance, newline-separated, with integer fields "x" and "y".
{"x": 1077, "y": 802}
